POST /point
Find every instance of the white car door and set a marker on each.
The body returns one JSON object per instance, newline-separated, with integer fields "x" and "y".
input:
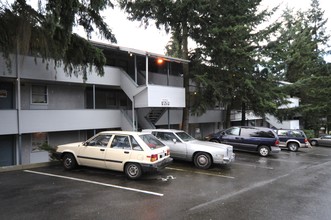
{"x": 118, "y": 153}
{"x": 93, "y": 152}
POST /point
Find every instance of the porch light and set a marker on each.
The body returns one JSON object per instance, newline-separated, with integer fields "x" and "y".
{"x": 159, "y": 61}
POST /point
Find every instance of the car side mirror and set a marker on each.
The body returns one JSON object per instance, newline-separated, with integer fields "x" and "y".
{"x": 85, "y": 143}
{"x": 174, "y": 140}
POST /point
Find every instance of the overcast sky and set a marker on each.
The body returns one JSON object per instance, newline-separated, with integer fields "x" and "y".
{"x": 131, "y": 34}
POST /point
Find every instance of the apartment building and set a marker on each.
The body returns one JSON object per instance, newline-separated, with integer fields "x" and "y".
{"x": 40, "y": 103}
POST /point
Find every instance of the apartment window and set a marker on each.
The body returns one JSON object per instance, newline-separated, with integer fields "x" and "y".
{"x": 38, "y": 140}
{"x": 39, "y": 94}
{"x": 111, "y": 99}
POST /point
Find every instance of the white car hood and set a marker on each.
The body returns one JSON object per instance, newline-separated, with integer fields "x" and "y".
{"x": 76, "y": 144}
{"x": 210, "y": 144}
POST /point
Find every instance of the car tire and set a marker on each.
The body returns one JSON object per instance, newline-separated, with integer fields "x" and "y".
{"x": 133, "y": 171}
{"x": 202, "y": 160}
{"x": 293, "y": 146}
{"x": 314, "y": 143}
{"x": 69, "y": 161}
{"x": 264, "y": 150}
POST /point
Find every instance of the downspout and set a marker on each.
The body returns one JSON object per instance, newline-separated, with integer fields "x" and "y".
{"x": 94, "y": 131}
{"x": 146, "y": 69}
{"x": 168, "y": 75}
{"x": 135, "y": 69}
{"x": 133, "y": 115}
{"x": 18, "y": 107}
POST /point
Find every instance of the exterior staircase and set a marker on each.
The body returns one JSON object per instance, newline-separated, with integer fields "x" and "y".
{"x": 155, "y": 114}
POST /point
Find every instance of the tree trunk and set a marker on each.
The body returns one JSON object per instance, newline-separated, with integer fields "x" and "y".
{"x": 243, "y": 113}
{"x": 228, "y": 116}
{"x": 186, "y": 109}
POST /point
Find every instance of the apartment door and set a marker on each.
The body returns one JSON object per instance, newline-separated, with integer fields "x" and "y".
{"x": 7, "y": 151}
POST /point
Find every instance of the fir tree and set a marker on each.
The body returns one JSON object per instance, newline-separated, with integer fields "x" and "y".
{"x": 47, "y": 32}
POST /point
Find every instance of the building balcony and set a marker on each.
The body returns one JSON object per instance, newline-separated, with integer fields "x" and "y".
{"x": 30, "y": 121}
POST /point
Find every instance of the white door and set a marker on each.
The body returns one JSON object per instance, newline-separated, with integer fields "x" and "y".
{"x": 93, "y": 153}
{"x": 118, "y": 153}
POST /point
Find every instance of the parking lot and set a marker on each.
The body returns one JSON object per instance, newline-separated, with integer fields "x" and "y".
{"x": 288, "y": 185}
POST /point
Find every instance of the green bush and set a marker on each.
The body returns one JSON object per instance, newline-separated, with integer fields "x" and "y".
{"x": 309, "y": 133}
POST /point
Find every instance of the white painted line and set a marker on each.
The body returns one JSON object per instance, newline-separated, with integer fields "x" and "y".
{"x": 322, "y": 155}
{"x": 236, "y": 193}
{"x": 252, "y": 165}
{"x": 203, "y": 173}
{"x": 94, "y": 182}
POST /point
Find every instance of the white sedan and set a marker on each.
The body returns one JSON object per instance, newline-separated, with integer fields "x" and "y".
{"x": 185, "y": 147}
{"x": 131, "y": 152}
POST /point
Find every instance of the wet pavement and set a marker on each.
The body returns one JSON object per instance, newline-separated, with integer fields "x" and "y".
{"x": 288, "y": 185}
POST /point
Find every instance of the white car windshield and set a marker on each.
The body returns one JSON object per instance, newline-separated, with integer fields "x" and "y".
{"x": 151, "y": 141}
{"x": 184, "y": 136}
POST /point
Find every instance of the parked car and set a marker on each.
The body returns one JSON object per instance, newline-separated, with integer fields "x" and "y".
{"x": 324, "y": 140}
{"x": 131, "y": 152}
{"x": 185, "y": 147}
{"x": 292, "y": 139}
{"x": 247, "y": 138}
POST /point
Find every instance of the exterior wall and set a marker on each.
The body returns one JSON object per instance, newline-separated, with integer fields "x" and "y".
{"x": 293, "y": 102}
{"x": 66, "y": 120}
{"x": 59, "y": 97}
{"x": 74, "y": 97}
{"x": 35, "y": 69}
{"x": 30, "y": 155}
{"x": 9, "y": 122}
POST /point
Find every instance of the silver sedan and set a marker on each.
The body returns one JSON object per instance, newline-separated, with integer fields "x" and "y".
{"x": 324, "y": 140}
{"x": 185, "y": 147}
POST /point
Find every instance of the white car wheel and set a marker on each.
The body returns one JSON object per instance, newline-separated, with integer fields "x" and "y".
{"x": 133, "y": 170}
{"x": 264, "y": 151}
{"x": 314, "y": 143}
{"x": 69, "y": 161}
{"x": 293, "y": 146}
{"x": 202, "y": 160}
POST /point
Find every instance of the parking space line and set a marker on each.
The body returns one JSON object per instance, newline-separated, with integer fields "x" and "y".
{"x": 94, "y": 182}
{"x": 251, "y": 165}
{"x": 210, "y": 174}
{"x": 322, "y": 155}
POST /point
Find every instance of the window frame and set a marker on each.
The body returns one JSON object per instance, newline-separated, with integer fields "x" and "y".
{"x": 45, "y": 95}
{"x": 36, "y": 144}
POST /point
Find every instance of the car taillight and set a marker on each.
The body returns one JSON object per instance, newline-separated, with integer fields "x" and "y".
{"x": 168, "y": 152}
{"x": 153, "y": 157}
{"x": 277, "y": 143}
{"x": 306, "y": 140}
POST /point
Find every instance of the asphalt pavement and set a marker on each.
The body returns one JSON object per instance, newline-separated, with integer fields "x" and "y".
{"x": 288, "y": 185}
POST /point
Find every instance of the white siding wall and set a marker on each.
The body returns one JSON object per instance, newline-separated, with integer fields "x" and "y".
{"x": 29, "y": 68}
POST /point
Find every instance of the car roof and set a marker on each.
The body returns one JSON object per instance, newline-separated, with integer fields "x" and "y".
{"x": 165, "y": 130}
{"x": 120, "y": 132}
{"x": 252, "y": 127}
{"x": 288, "y": 129}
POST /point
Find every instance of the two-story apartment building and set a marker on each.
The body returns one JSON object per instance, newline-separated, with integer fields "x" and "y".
{"x": 40, "y": 103}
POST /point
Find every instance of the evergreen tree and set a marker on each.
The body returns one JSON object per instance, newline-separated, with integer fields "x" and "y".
{"x": 47, "y": 32}
{"x": 230, "y": 42}
{"x": 298, "y": 57}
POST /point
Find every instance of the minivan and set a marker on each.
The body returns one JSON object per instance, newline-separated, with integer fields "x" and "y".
{"x": 247, "y": 138}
